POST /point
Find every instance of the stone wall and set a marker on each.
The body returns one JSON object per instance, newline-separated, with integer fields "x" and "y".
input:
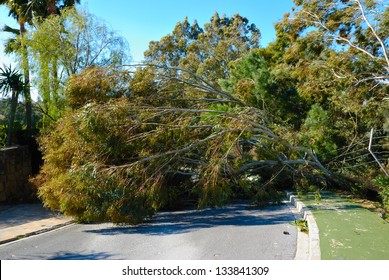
{"x": 15, "y": 169}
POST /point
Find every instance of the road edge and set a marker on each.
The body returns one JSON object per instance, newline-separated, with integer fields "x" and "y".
{"x": 35, "y": 232}
{"x": 313, "y": 235}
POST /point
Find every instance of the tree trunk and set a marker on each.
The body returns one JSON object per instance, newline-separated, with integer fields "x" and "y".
{"x": 51, "y": 8}
{"x": 26, "y": 91}
{"x": 27, "y": 97}
{"x": 55, "y": 88}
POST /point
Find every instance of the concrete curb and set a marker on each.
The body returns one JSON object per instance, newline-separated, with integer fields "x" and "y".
{"x": 314, "y": 240}
{"x": 17, "y": 234}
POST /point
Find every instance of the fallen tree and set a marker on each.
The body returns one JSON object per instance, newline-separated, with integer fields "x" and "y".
{"x": 172, "y": 137}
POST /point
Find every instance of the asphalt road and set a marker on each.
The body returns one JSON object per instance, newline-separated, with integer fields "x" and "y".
{"x": 233, "y": 232}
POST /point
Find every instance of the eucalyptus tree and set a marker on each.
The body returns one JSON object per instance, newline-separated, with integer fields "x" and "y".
{"x": 120, "y": 156}
{"x": 205, "y": 51}
{"x": 336, "y": 52}
{"x": 345, "y": 41}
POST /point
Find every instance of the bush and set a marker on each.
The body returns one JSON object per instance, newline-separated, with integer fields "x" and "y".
{"x": 383, "y": 183}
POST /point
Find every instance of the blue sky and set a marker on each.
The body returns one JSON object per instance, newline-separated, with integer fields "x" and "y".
{"x": 142, "y": 21}
{"x": 146, "y": 20}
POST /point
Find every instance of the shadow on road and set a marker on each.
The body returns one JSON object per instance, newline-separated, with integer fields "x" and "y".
{"x": 81, "y": 256}
{"x": 19, "y": 214}
{"x": 166, "y": 223}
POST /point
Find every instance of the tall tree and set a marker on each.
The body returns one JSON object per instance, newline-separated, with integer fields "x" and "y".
{"x": 256, "y": 81}
{"x": 85, "y": 42}
{"x": 225, "y": 39}
{"x": 205, "y": 51}
{"x": 173, "y": 47}
{"x": 336, "y": 51}
{"x": 24, "y": 11}
{"x": 19, "y": 9}
{"x": 342, "y": 40}
{"x": 54, "y": 7}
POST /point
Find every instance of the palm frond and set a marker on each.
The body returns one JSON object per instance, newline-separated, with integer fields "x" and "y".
{"x": 10, "y": 29}
{"x": 10, "y": 80}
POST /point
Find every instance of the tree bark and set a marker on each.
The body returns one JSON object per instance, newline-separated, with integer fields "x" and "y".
{"x": 51, "y": 8}
{"x": 26, "y": 91}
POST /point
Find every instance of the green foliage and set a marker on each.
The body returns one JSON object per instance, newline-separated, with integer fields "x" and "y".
{"x": 253, "y": 80}
{"x": 86, "y": 42}
{"x": 205, "y": 51}
{"x": 93, "y": 168}
{"x": 211, "y": 116}
{"x": 267, "y": 196}
{"x": 317, "y": 133}
{"x": 3, "y": 134}
{"x": 359, "y": 188}
{"x": 24, "y": 12}
{"x": 76, "y": 152}
{"x": 11, "y": 82}
{"x": 301, "y": 224}
{"x": 336, "y": 60}
{"x": 383, "y": 183}
{"x": 19, "y": 131}
{"x": 121, "y": 157}
{"x": 96, "y": 84}
{"x": 249, "y": 79}
{"x": 306, "y": 185}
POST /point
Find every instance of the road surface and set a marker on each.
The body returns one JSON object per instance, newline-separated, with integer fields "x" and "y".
{"x": 232, "y": 232}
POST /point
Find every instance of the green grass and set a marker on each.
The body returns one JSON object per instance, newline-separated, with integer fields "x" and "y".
{"x": 347, "y": 230}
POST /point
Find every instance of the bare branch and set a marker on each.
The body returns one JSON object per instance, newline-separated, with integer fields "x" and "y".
{"x": 358, "y": 2}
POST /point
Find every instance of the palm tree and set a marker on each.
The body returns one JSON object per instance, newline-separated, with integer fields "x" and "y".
{"x": 54, "y": 6}
{"x": 11, "y": 82}
{"x": 19, "y": 9}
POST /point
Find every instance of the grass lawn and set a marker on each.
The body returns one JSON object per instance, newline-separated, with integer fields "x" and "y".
{"x": 347, "y": 230}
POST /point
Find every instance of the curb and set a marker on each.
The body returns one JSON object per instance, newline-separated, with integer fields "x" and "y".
{"x": 314, "y": 240}
{"x": 36, "y": 232}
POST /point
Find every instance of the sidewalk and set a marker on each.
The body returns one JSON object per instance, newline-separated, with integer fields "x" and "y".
{"x": 22, "y": 220}
{"x": 347, "y": 230}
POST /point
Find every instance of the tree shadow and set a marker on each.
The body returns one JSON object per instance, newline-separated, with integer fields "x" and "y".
{"x": 65, "y": 255}
{"x": 333, "y": 202}
{"x": 236, "y": 215}
{"x": 336, "y": 208}
{"x": 19, "y": 214}
{"x": 81, "y": 256}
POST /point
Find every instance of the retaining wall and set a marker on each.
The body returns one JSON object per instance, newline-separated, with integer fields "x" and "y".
{"x": 15, "y": 169}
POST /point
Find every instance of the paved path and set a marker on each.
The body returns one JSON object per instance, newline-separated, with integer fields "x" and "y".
{"x": 232, "y": 232}
{"x": 347, "y": 230}
{"x": 20, "y": 220}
